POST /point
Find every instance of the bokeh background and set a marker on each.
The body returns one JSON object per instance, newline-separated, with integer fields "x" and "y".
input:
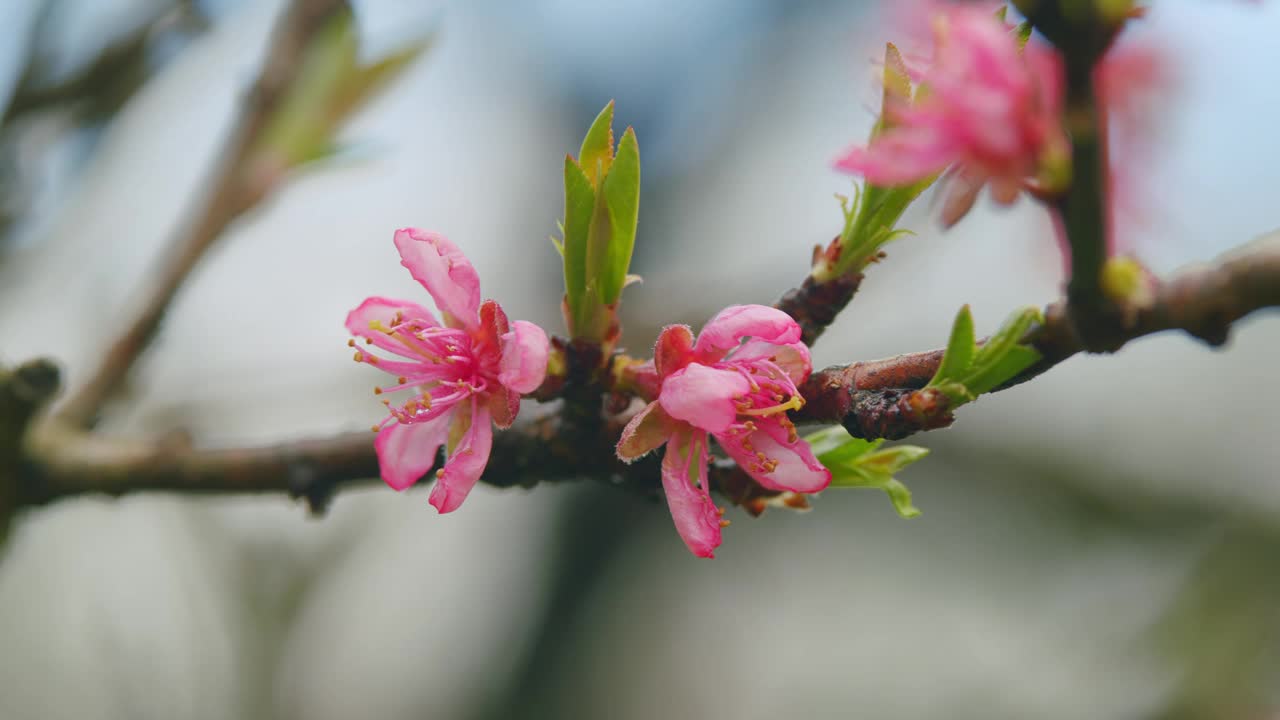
{"x": 1103, "y": 542}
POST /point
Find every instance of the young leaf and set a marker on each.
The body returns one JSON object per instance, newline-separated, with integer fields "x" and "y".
{"x": 1002, "y": 357}
{"x": 900, "y": 496}
{"x": 958, "y": 356}
{"x": 596, "y": 153}
{"x": 622, "y": 194}
{"x": 579, "y": 202}
{"x": 854, "y": 462}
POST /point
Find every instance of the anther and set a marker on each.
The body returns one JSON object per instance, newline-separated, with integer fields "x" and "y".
{"x": 402, "y": 380}
{"x": 377, "y": 391}
{"x": 351, "y": 342}
{"x": 724, "y": 523}
{"x": 358, "y": 357}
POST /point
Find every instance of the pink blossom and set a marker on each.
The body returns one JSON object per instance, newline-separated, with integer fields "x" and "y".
{"x": 985, "y": 105}
{"x": 735, "y": 382}
{"x": 1134, "y": 82}
{"x": 466, "y": 374}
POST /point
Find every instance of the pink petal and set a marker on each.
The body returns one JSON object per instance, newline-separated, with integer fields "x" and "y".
{"x": 793, "y": 359}
{"x": 647, "y": 431}
{"x": 407, "y": 452}
{"x": 899, "y": 156}
{"x": 444, "y": 271}
{"x": 384, "y": 311}
{"x": 704, "y": 397}
{"x": 696, "y": 517}
{"x": 737, "y": 322}
{"x": 673, "y": 350}
{"x": 524, "y": 357}
{"x": 797, "y": 468}
{"x": 465, "y": 466}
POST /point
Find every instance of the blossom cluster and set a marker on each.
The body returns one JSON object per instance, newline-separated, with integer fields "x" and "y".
{"x": 985, "y": 109}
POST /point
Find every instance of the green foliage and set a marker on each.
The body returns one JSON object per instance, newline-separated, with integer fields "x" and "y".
{"x": 969, "y": 370}
{"x": 858, "y": 463}
{"x": 871, "y": 217}
{"x": 602, "y": 207}
{"x": 331, "y": 85}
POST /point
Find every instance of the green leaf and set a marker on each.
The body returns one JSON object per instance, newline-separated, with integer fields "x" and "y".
{"x": 857, "y": 463}
{"x": 596, "y": 153}
{"x": 1002, "y": 357}
{"x": 622, "y": 194}
{"x": 961, "y": 348}
{"x": 900, "y": 496}
{"x": 993, "y": 374}
{"x": 893, "y": 460}
{"x": 579, "y": 203}
{"x": 331, "y": 84}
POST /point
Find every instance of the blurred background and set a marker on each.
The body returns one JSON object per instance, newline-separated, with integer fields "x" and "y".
{"x": 1103, "y": 542}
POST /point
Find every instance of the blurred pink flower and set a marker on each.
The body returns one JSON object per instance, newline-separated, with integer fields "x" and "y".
{"x": 466, "y": 373}
{"x": 1133, "y": 82}
{"x": 735, "y": 382}
{"x": 984, "y": 105}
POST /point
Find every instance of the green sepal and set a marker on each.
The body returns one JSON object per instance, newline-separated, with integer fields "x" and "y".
{"x": 1022, "y": 31}
{"x": 859, "y": 463}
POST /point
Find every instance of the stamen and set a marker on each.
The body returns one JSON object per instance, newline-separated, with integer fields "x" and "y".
{"x": 795, "y": 403}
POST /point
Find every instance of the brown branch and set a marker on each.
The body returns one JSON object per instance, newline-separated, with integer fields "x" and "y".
{"x": 234, "y": 189}
{"x": 64, "y": 462}
{"x": 873, "y": 399}
{"x": 884, "y": 398}
{"x": 815, "y": 305}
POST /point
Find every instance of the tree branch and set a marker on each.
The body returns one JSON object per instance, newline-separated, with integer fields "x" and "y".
{"x": 235, "y": 188}
{"x": 877, "y": 398}
{"x": 883, "y": 398}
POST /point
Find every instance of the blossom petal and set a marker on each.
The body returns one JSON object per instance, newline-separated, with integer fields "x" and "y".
{"x": 407, "y": 452}
{"x": 384, "y": 311}
{"x": 696, "y": 517}
{"x": 774, "y": 459}
{"x": 466, "y": 464}
{"x": 434, "y": 261}
{"x": 730, "y": 326}
{"x": 524, "y": 357}
{"x": 647, "y": 431}
{"x": 793, "y": 359}
{"x": 900, "y": 156}
{"x": 704, "y": 397}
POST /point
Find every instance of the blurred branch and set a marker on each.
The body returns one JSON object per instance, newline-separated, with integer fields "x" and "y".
{"x": 234, "y": 189}
{"x": 884, "y": 398}
{"x": 104, "y": 84}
